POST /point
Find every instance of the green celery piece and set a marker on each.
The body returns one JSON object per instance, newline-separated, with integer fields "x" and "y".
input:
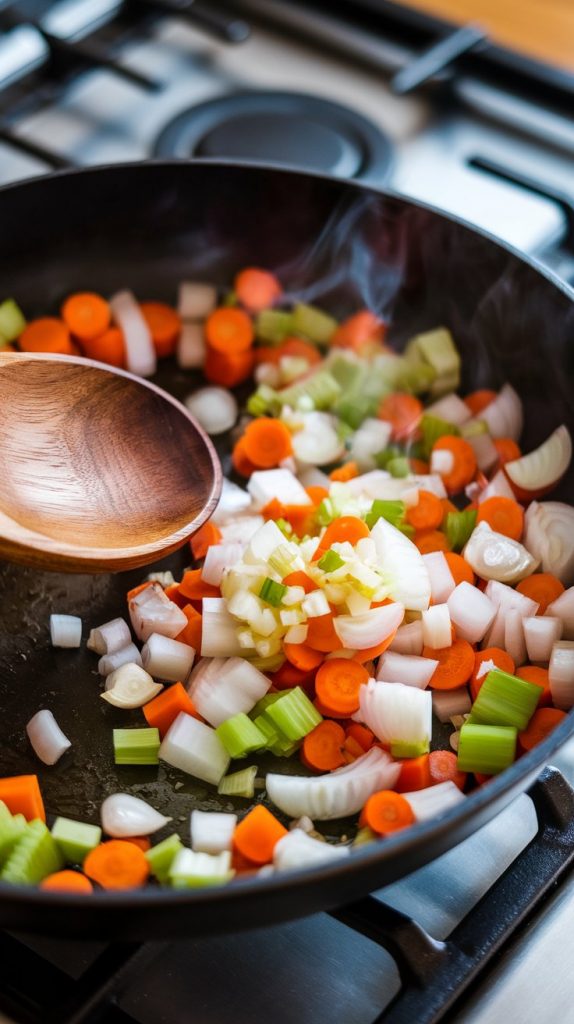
{"x": 282, "y": 558}
{"x": 436, "y": 348}
{"x": 265, "y": 702}
{"x": 313, "y": 323}
{"x": 273, "y": 325}
{"x": 263, "y": 401}
{"x": 294, "y": 714}
{"x": 407, "y": 529}
{"x": 399, "y": 467}
{"x": 240, "y": 783}
{"x": 272, "y": 592}
{"x": 504, "y": 699}
{"x": 459, "y": 526}
{"x": 326, "y": 512}
{"x": 353, "y": 408}
{"x": 349, "y": 374}
{"x": 330, "y": 561}
{"x": 136, "y": 746}
{"x": 201, "y": 869}
{"x": 240, "y": 736}
{"x": 344, "y": 431}
{"x": 402, "y": 748}
{"x": 75, "y": 839}
{"x": 392, "y": 451}
{"x": 160, "y": 857}
{"x": 34, "y": 856}
{"x": 11, "y": 828}
{"x": 286, "y": 530}
{"x": 320, "y": 388}
{"x": 487, "y": 749}
{"x": 474, "y": 428}
{"x": 364, "y": 836}
{"x": 12, "y": 320}
{"x": 433, "y": 428}
{"x": 392, "y": 511}
{"x": 265, "y": 726}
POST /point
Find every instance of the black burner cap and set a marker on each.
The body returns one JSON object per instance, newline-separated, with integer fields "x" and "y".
{"x": 290, "y": 129}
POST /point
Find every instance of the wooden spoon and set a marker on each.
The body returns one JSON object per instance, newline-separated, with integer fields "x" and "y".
{"x": 99, "y": 470}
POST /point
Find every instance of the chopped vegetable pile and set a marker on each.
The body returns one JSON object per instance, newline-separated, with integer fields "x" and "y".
{"x": 385, "y": 605}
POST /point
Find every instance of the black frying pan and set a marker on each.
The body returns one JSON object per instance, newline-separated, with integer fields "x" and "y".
{"x": 146, "y": 227}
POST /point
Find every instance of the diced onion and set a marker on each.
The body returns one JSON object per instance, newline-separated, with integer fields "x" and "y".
{"x": 437, "y": 631}
{"x": 503, "y": 416}
{"x": 505, "y": 598}
{"x": 46, "y": 737}
{"x": 498, "y": 487}
{"x": 371, "y": 438}
{"x": 471, "y": 612}
{"x": 138, "y": 344}
{"x": 109, "y": 637}
{"x": 214, "y": 408}
{"x": 442, "y": 462}
{"x": 513, "y": 637}
{"x": 441, "y": 579}
{"x": 447, "y": 703}
{"x": 563, "y": 608}
{"x": 280, "y": 484}
{"x": 221, "y": 688}
{"x": 451, "y": 409}
{"x": 232, "y": 502}
{"x": 495, "y": 557}
{"x": 167, "y": 659}
{"x": 318, "y": 443}
{"x": 195, "y": 748}
{"x": 338, "y": 794}
{"x": 395, "y": 712}
{"x": 407, "y": 669}
{"x": 548, "y": 533}
{"x": 561, "y": 674}
{"x": 130, "y": 686}
{"x": 370, "y": 629}
{"x": 123, "y": 815}
{"x": 485, "y": 451}
{"x": 403, "y": 566}
{"x": 110, "y": 662}
{"x": 191, "y": 347}
{"x": 429, "y": 803}
{"x": 541, "y": 633}
{"x": 220, "y": 557}
{"x": 241, "y": 529}
{"x": 409, "y": 638}
{"x": 196, "y": 300}
{"x": 151, "y": 611}
{"x": 65, "y": 630}
{"x": 299, "y": 850}
{"x": 212, "y": 831}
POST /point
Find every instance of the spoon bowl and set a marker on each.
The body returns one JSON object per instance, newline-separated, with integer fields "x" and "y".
{"x": 99, "y": 470}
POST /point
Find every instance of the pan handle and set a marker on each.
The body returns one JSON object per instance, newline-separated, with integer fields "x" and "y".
{"x": 435, "y": 974}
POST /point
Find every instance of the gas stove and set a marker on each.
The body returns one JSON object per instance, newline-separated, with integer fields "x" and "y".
{"x": 87, "y": 82}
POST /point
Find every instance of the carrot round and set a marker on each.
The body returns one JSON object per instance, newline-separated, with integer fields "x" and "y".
{"x": 321, "y": 635}
{"x": 427, "y": 514}
{"x": 478, "y": 400}
{"x": 227, "y": 370}
{"x": 66, "y": 881}
{"x": 363, "y": 736}
{"x": 164, "y": 324}
{"x": 501, "y": 659}
{"x": 428, "y": 541}
{"x": 86, "y": 315}
{"x": 256, "y": 289}
{"x": 504, "y": 515}
{"x": 201, "y": 541}
{"x": 48, "y": 334}
{"x": 386, "y": 812}
{"x": 459, "y": 567}
{"x": 358, "y": 330}
{"x": 543, "y": 721}
{"x": 229, "y": 330}
{"x": 267, "y": 442}
{"x": 338, "y": 682}
{"x": 542, "y": 587}
{"x": 346, "y": 528}
{"x": 403, "y": 412}
{"x": 241, "y": 463}
{"x": 257, "y": 834}
{"x": 21, "y": 794}
{"x": 443, "y": 767}
{"x": 347, "y": 472}
{"x": 160, "y": 712}
{"x": 463, "y": 459}
{"x": 116, "y": 864}
{"x": 507, "y": 449}
{"x": 415, "y": 774}
{"x": 302, "y": 657}
{"x": 322, "y": 747}
{"x": 108, "y": 347}
{"x": 455, "y": 665}
{"x": 539, "y": 676}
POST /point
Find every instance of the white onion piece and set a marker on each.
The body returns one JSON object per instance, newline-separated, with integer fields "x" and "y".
{"x": 212, "y": 831}
{"x": 318, "y": 443}
{"x": 437, "y": 631}
{"x": 563, "y": 608}
{"x": 218, "y": 630}
{"x": 540, "y": 634}
{"x": 110, "y": 662}
{"x": 485, "y": 451}
{"x": 266, "y": 484}
{"x": 65, "y": 630}
{"x": 513, "y": 637}
{"x": 548, "y": 534}
{"x": 486, "y": 666}
{"x": 221, "y": 688}
{"x": 130, "y": 686}
{"x": 442, "y": 462}
{"x": 47, "y": 739}
{"x": 543, "y": 467}
{"x": 441, "y": 579}
{"x": 561, "y": 674}
{"x": 447, "y": 703}
{"x": 299, "y": 850}
{"x": 167, "y": 659}
{"x": 264, "y": 542}
{"x": 242, "y": 529}
{"x": 196, "y": 300}
{"x": 123, "y": 815}
{"x": 151, "y": 611}
{"x": 139, "y": 349}
{"x": 395, "y": 712}
{"x": 403, "y": 565}
{"x": 214, "y": 408}
{"x": 369, "y": 629}
{"x": 268, "y": 373}
{"x": 430, "y": 482}
{"x": 191, "y": 348}
{"x": 310, "y": 476}
{"x": 505, "y": 599}
{"x": 471, "y": 612}
{"x": 407, "y": 669}
{"x": 232, "y": 502}
{"x": 371, "y": 438}
{"x": 109, "y": 637}
{"x": 503, "y": 416}
{"x": 498, "y": 487}
{"x": 451, "y": 409}
{"x": 195, "y": 748}
{"x": 218, "y": 559}
{"x": 429, "y": 803}
{"x": 495, "y": 557}
{"x": 409, "y": 638}
{"x": 338, "y": 794}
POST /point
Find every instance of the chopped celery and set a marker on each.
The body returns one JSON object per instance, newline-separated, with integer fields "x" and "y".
{"x": 268, "y": 664}
{"x": 12, "y": 321}
{"x": 486, "y": 749}
{"x": 313, "y": 323}
{"x": 437, "y": 349}
{"x": 349, "y": 374}
{"x": 330, "y": 561}
{"x": 265, "y": 702}
{"x": 399, "y": 467}
{"x": 504, "y": 699}
{"x": 272, "y": 592}
{"x": 11, "y": 828}
{"x": 294, "y": 714}
{"x": 397, "y": 373}
{"x": 34, "y": 856}
{"x": 459, "y": 526}
{"x": 264, "y": 400}
{"x": 392, "y": 511}
{"x": 136, "y": 746}
{"x": 286, "y": 530}
{"x": 320, "y": 388}
{"x": 402, "y": 748}
{"x": 353, "y": 408}
{"x": 344, "y": 431}
{"x": 473, "y": 428}
{"x": 326, "y": 512}
{"x": 392, "y": 451}
{"x": 265, "y": 726}
{"x": 189, "y": 869}
{"x": 432, "y": 428}
{"x": 229, "y": 299}
{"x": 273, "y": 325}
{"x": 364, "y": 836}
{"x": 161, "y": 857}
{"x": 282, "y": 558}
{"x": 240, "y": 736}
{"x": 239, "y": 783}
{"x": 75, "y": 839}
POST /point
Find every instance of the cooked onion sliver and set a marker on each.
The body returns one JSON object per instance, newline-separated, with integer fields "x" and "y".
{"x": 471, "y": 612}
{"x": 360, "y": 632}
{"x": 130, "y": 686}
{"x": 451, "y": 409}
{"x": 495, "y": 557}
{"x": 138, "y": 344}
{"x": 233, "y": 501}
{"x": 498, "y": 487}
{"x": 299, "y": 850}
{"x": 540, "y": 634}
{"x": 429, "y": 803}
{"x": 561, "y": 674}
{"x": 548, "y": 533}
{"x": 123, "y": 816}
{"x": 545, "y": 466}
{"x": 46, "y": 737}
{"x": 214, "y": 408}
{"x": 339, "y": 794}
{"x": 218, "y": 630}
{"x": 410, "y": 670}
{"x": 503, "y": 416}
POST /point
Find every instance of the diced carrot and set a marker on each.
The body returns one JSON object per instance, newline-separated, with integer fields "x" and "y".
{"x": 116, "y": 864}
{"x": 86, "y": 315}
{"x": 419, "y": 466}
{"x": 481, "y": 779}
{"x": 543, "y": 721}
{"x": 48, "y": 334}
{"x": 172, "y": 591}
{"x": 300, "y": 579}
{"x": 321, "y": 635}
{"x": 428, "y": 541}
{"x": 227, "y": 370}
{"x": 415, "y": 774}
{"x": 460, "y": 569}
{"x": 352, "y": 748}
{"x": 427, "y": 514}
{"x": 322, "y": 747}
{"x": 345, "y": 528}
{"x": 403, "y": 412}
{"x": 257, "y": 835}
{"x": 256, "y": 289}
{"x": 207, "y": 535}
{"x": 542, "y": 587}
{"x": 317, "y": 494}
{"x": 160, "y": 712}
{"x": 229, "y": 330}
{"x": 501, "y": 659}
{"x": 338, "y": 682}
{"x": 108, "y": 347}
{"x": 142, "y": 842}
{"x": 504, "y": 515}
{"x": 463, "y": 462}
{"x": 478, "y": 400}
{"x": 363, "y": 736}
{"x": 302, "y": 657}
{"x": 67, "y": 881}
{"x": 267, "y": 442}
{"x": 358, "y": 330}
{"x": 455, "y": 665}
{"x": 191, "y": 634}
{"x": 287, "y": 676}
{"x": 507, "y": 449}
{"x": 21, "y": 794}
{"x": 300, "y": 349}
{"x": 164, "y": 324}
{"x": 386, "y": 812}
{"x": 539, "y": 676}
{"x": 344, "y": 473}
{"x": 194, "y": 588}
{"x": 443, "y": 767}
{"x": 241, "y": 463}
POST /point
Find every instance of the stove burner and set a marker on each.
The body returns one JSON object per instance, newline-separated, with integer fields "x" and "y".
{"x": 291, "y": 129}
